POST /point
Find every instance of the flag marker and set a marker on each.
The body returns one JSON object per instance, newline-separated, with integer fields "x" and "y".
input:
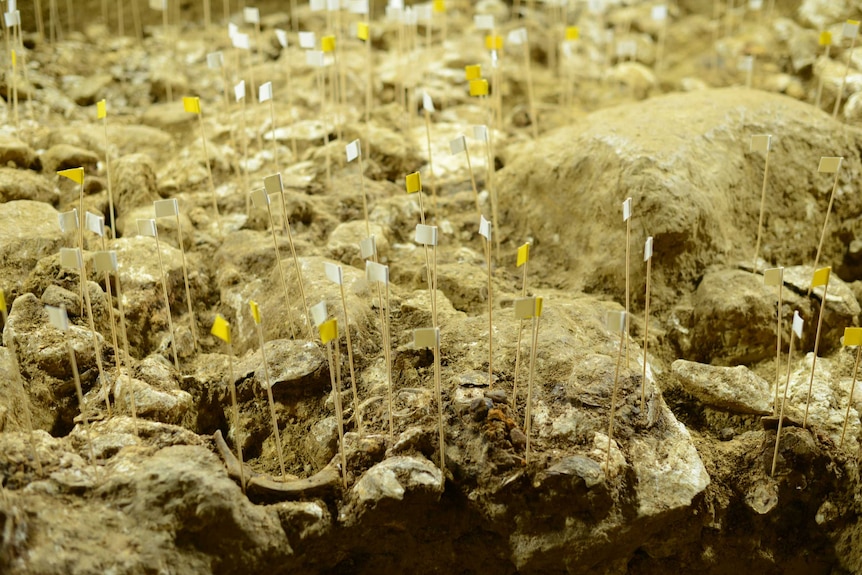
{"x": 761, "y": 144}
{"x": 485, "y": 232}
{"x": 147, "y": 228}
{"x": 221, "y": 329}
{"x": 192, "y": 105}
{"x": 170, "y": 209}
{"x": 328, "y": 331}
{"x": 852, "y": 336}
{"x": 648, "y": 259}
{"x": 429, "y": 337}
{"x": 828, "y": 165}
{"x": 521, "y": 261}
{"x": 378, "y": 273}
{"x": 825, "y": 40}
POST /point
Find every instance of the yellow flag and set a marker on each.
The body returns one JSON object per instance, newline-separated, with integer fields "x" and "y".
{"x": 74, "y": 174}
{"x": 473, "y": 72}
{"x": 255, "y": 311}
{"x": 573, "y": 33}
{"x": 221, "y": 329}
{"x": 328, "y": 331}
{"x": 523, "y": 254}
{"x": 2, "y": 300}
{"x": 821, "y": 277}
{"x": 101, "y": 110}
{"x": 362, "y": 31}
{"x": 826, "y": 38}
{"x": 538, "y": 307}
{"x": 439, "y": 6}
{"x": 479, "y": 87}
{"x": 192, "y": 105}
{"x": 413, "y": 183}
{"x": 14, "y": 59}
{"x": 852, "y": 336}
{"x": 494, "y": 42}
{"x": 327, "y": 43}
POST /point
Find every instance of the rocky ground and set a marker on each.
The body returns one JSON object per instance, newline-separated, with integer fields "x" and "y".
{"x": 685, "y": 485}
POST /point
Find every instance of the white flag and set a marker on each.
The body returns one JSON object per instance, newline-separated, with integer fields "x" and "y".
{"x": 281, "y": 35}
{"x": 760, "y": 143}
{"x": 166, "y": 208}
{"x": 627, "y": 209}
{"x": 394, "y": 13}
{"x": 71, "y": 258}
{"x": 333, "y": 273}
{"x": 427, "y": 102}
{"x": 797, "y": 324}
{"x": 232, "y": 30}
{"x": 426, "y": 337}
{"x": 424, "y": 12}
{"x": 659, "y": 13}
{"x": 426, "y": 235}
{"x": 241, "y": 41}
{"x": 317, "y": 5}
{"x": 318, "y": 313}
{"x": 95, "y": 223}
{"x": 12, "y": 19}
{"x": 409, "y": 16}
{"x": 273, "y": 184}
{"x": 830, "y": 165}
{"x": 755, "y": 5}
{"x": 518, "y": 36}
{"x": 616, "y": 321}
{"x": 458, "y": 145}
{"x": 69, "y": 220}
{"x": 358, "y": 6}
{"x": 215, "y": 60}
{"x": 264, "y": 93}
{"x": 525, "y": 308}
{"x": 307, "y": 40}
{"x": 596, "y": 6}
{"x": 147, "y": 228}
{"x": 483, "y": 21}
{"x": 480, "y": 133}
{"x": 159, "y": 5}
{"x": 484, "y": 228}
{"x": 375, "y": 272}
{"x": 367, "y": 248}
{"x": 353, "y": 150}
{"x": 648, "y": 249}
{"x": 259, "y": 198}
{"x": 315, "y": 59}
{"x": 333, "y": 5}
{"x": 627, "y": 49}
{"x": 251, "y": 15}
{"x": 851, "y": 28}
{"x": 746, "y": 64}
{"x": 57, "y": 316}
{"x": 105, "y": 261}
{"x": 239, "y": 90}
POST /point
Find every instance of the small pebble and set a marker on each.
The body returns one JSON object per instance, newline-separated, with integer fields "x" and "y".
{"x": 726, "y": 434}
{"x": 496, "y": 395}
{"x": 479, "y": 408}
{"x": 518, "y": 439}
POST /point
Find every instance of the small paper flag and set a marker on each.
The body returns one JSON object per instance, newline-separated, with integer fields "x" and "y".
{"x": 797, "y": 324}
{"x": 327, "y": 44}
{"x": 852, "y": 336}
{"x": 483, "y": 21}
{"x": 2, "y": 300}
{"x": 572, "y": 33}
{"x": 71, "y": 258}
{"x": 315, "y": 59}
{"x": 328, "y": 331}
{"x": 105, "y": 262}
{"x": 761, "y": 143}
{"x": 773, "y": 277}
{"x": 318, "y": 313}
{"x": 484, "y": 228}
{"x": 221, "y": 328}
{"x": 255, "y": 311}
{"x": 826, "y": 38}
{"x": 159, "y": 5}
{"x": 821, "y": 277}
{"x": 458, "y": 145}
{"x": 439, "y": 6}
{"x": 74, "y": 174}
{"x": 251, "y": 15}
{"x": 239, "y": 91}
{"x": 58, "y": 318}
{"x": 755, "y": 5}
{"x": 68, "y": 221}
{"x": 192, "y": 105}
{"x": 829, "y": 165}
{"x": 426, "y": 235}
{"x": 596, "y": 6}
{"x": 264, "y": 93}
{"x": 480, "y": 133}
{"x": 13, "y": 18}
{"x": 627, "y": 49}
{"x": 215, "y": 60}
{"x": 413, "y": 183}
{"x": 259, "y": 198}
{"x": 232, "y": 30}
{"x": 281, "y": 36}
{"x": 525, "y": 308}
{"x": 539, "y": 303}
{"x": 101, "y": 110}
{"x": 523, "y": 255}
{"x": 659, "y": 13}
{"x": 353, "y": 150}
{"x": 307, "y": 40}
{"x": 494, "y": 42}
{"x": 358, "y": 7}
{"x": 317, "y": 5}
{"x": 95, "y": 223}
{"x": 367, "y": 247}
{"x": 333, "y": 273}
{"x": 362, "y": 31}
{"x": 427, "y": 102}
{"x": 479, "y": 87}
{"x": 518, "y": 36}
{"x": 616, "y": 321}
{"x": 850, "y": 29}
{"x": 746, "y": 64}
{"x": 273, "y": 184}
{"x": 166, "y": 208}
{"x": 426, "y": 337}
{"x": 375, "y": 272}
{"x": 241, "y": 41}
{"x": 627, "y": 209}
{"x": 147, "y": 228}
{"x": 648, "y": 249}
{"x": 14, "y": 59}
{"x": 473, "y": 72}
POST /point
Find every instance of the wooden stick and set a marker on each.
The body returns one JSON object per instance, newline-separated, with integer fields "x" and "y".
{"x": 108, "y": 174}
{"x": 518, "y": 346}
{"x": 125, "y": 336}
{"x": 850, "y": 399}
{"x": 52, "y": 20}
{"x": 40, "y": 22}
{"x": 353, "y": 379}
{"x": 431, "y": 162}
{"x": 210, "y": 173}
{"x": 783, "y": 403}
{"x": 762, "y": 207}
{"x": 388, "y": 354}
{"x": 648, "y": 257}
{"x": 232, "y": 386}
{"x": 528, "y": 418}
{"x": 79, "y": 392}
{"x": 335, "y": 377}
{"x": 298, "y": 274}
{"x": 628, "y": 281}
{"x": 487, "y": 244}
{"x": 820, "y": 82}
{"x": 82, "y": 275}
{"x": 287, "y": 303}
{"x": 136, "y": 20}
{"x": 825, "y": 225}
{"x": 121, "y": 19}
{"x": 269, "y": 392}
{"x": 472, "y": 180}
{"x": 534, "y": 119}
{"x": 167, "y": 300}
{"x": 192, "y": 320}
{"x": 844, "y": 78}
{"x": 439, "y": 387}
{"x": 15, "y": 90}
{"x": 816, "y": 348}
{"x": 614, "y": 401}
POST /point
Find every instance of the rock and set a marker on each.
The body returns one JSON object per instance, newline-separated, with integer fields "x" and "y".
{"x": 87, "y": 91}
{"x": 343, "y": 243}
{"x": 158, "y": 395}
{"x": 15, "y": 153}
{"x": 14, "y": 401}
{"x": 733, "y": 389}
{"x": 304, "y": 521}
{"x": 820, "y": 14}
{"x": 322, "y": 441}
{"x": 397, "y": 478}
{"x": 295, "y": 366}
{"x": 26, "y": 185}
{"x": 171, "y": 118}
{"x": 634, "y": 78}
{"x": 127, "y": 225}
{"x": 64, "y": 157}
{"x": 28, "y": 232}
{"x": 134, "y": 186}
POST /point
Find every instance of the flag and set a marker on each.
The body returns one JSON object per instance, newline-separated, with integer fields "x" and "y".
{"x": 232, "y": 30}
{"x": 221, "y": 328}
{"x": 328, "y": 331}
{"x": 251, "y": 15}
{"x": 479, "y": 87}
{"x": 852, "y": 336}
{"x": 773, "y": 277}
{"x": 518, "y": 36}
{"x": 239, "y": 91}
{"x": 480, "y": 133}
{"x": 317, "y": 5}
{"x": 746, "y": 64}
{"x": 424, "y": 12}
{"x": 850, "y": 29}
{"x": 68, "y": 221}
{"x": 413, "y": 183}
{"x": 627, "y": 209}
{"x": 74, "y": 174}
{"x": 95, "y": 223}
{"x": 572, "y": 33}
{"x": 596, "y": 6}
{"x": 525, "y": 308}
{"x": 147, "y": 228}
{"x": 761, "y": 143}
{"x": 375, "y": 272}
{"x": 307, "y": 40}
{"x": 483, "y": 21}
{"x": 241, "y": 41}
{"x": 473, "y": 72}
{"x": 362, "y": 31}
{"x": 659, "y": 13}
{"x": 627, "y": 49}
{"x": 539, "y": 302}
{"x": 264, "y": 93}
{"x": 367, "y": 247}
{"x": 318, "y": 313}
{"x": 797, "y": 324}
{"x": 353, "y": 150}
{"x": 2, "y": 300}
{"x": 426, "y": 235}
{"x": 830, "y": 165}
{"x": 259, "y": 198}
{"x": 281, "y": 36}
{"x": 493, "y": 42}
{"x": 192, "y": 105}
{"x": 327, "y": 44}
{"x": 255, "y": 311}
{"x": 616, "y": 321}
{"x": 426, "y": 337}
{"x": 105, "y": 262}
{"x": 215, "y": 60}
{"x": 439, "y": 6}
{"x": 484, "y": 228}
{"x": 427, "y": 102}
{"x": 755, "y": 5}
{"x": 821, "y": 277}
{"x": 160, "y": 5}
{"x": 458, "y": 145}
{"x": 333, "y": 273}
{"x": 166, "y": 208}
{"x": 12, "y": 18}
{"x": 826, "y": 38}
{"x": 57, "y": 316}
{"x": 273, "y": 184}
{"x": 14, "y": 59}
{"x": 315, "y": 59}
{"x": 358, "y": 7}
{"x": 648, "y": 249}
{"x": 101, "y": 110}
{"x": 523, "y": 255}
{"x": 71, "y": 258}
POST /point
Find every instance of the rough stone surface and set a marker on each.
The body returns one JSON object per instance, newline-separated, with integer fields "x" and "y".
{"x": 14, "y": 152}
{"x": 26, "y": 185}
{"x": 28, "y": 232}
{"x": 733, "y": 389}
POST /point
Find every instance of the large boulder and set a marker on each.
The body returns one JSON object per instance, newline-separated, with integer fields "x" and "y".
{"x": 29, "y": 231}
